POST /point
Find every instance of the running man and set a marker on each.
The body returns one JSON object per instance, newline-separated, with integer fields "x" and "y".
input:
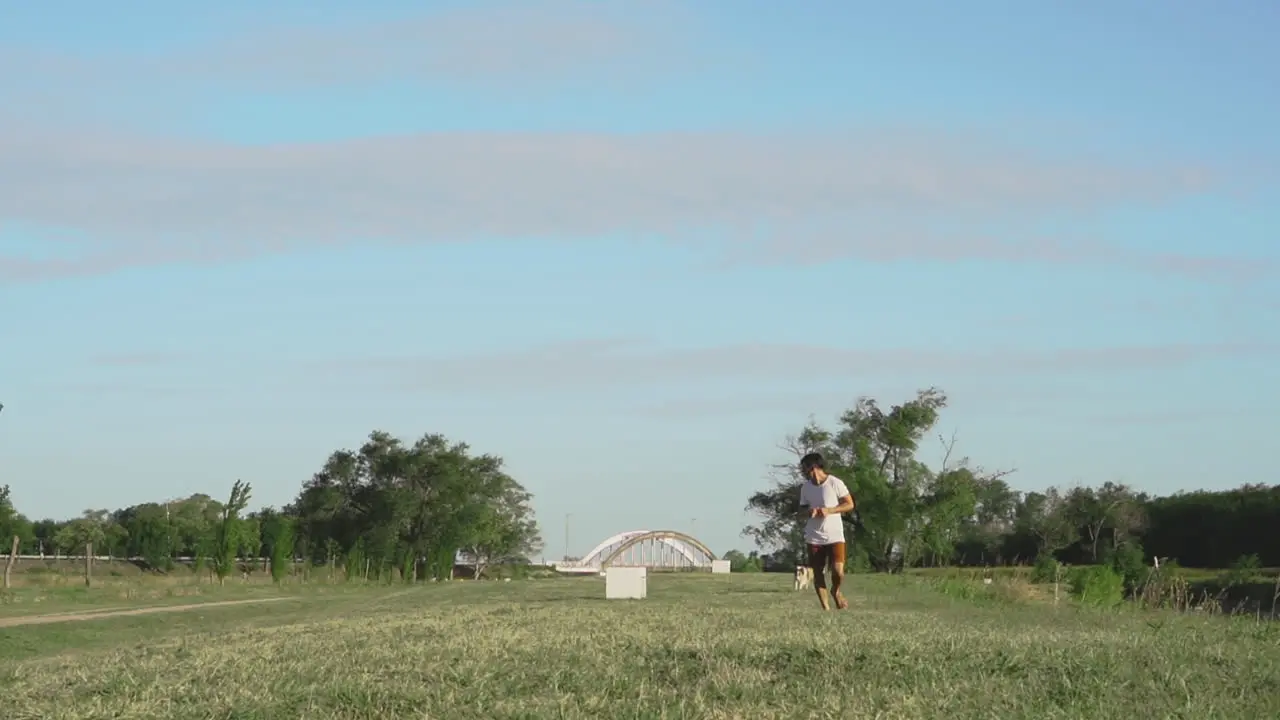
{"x": 824, "y": 498}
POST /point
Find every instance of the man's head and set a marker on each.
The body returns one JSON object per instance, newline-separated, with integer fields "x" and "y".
{"x": 812, "y": 468}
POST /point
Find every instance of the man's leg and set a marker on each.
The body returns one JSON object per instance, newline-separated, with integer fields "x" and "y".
{"x": 837, "y": 556}
{"x": 818, "y": 561}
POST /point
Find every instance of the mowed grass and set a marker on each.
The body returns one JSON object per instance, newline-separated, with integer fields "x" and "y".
{"x": 41, "y": 600}
{"x": 743, "y": 646}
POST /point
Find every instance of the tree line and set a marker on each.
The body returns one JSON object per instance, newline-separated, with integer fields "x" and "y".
{"x": 959, "y": 513}
{"x": 387, "y": 509}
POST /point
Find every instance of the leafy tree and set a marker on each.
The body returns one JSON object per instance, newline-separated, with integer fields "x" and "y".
{"x": 93, "y": 526}
{"x": 505, "y": 530}
{"x": 908, "y": 511}
{"x": 278, "y": 541}
{"x": 913, "y": 514}
{"x": 404, "y": 505}
{"x": 742, "y": 562}
{"x": 194, "y": 522}
{"x": 414, "y": 506}
{"x": 45, "y": 532}
{"x": 1126, "y": 515}
{"x": 148, "y": 534}
{"x": 230, "y": 533}
{"x": 1046, "y": 517}
{"x": 1112, "y": 510}
{"x": 991, "y": 533}
{"x": 949, "y": 503}
{"x": 13, "y": 523}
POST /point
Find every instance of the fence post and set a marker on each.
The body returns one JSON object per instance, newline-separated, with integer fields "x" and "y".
{"x": 88, "y": 564}
{"x": 13, "y": 558}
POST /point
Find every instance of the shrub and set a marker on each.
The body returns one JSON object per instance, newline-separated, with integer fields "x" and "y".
{"x": 977, "y": 589}
{"x": 858, "y": 561}
{"x": 1097, "y": 585}
{"x": 1129, "y": 563}
{"x": 957, "y": 588}
{"x": 282, "y": 543}
{"x": 1014, "y": 590}
{"x": 1046, "y": 569}
{"x": 1166, "y": 588}
{"x": 1242, "y": 571}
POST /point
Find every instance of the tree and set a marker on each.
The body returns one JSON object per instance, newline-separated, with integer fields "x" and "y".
{"x": 949, "y": 503}
{"x": 92, "y": 527}
{"x": 413, "y": 507}
{"x": 1084, "y": 510}
{"x": 990, "y": 534}
{"x": 277, "y": 541}
{"x": 230, "y": 533}
{"x": 13, "y": 522}
{"x": 1126, "y": 514}
{"x": 149, "y": 534}
{"x": 741, "y": 562}
{"x": 1111, "y": 509}
{"x": 908, "y": 511}
{"x": 505, "y": 531}
{"x": 193, "y": 523}
{"x": 1213, "y": 529}
{"x": 1047, "y": 517}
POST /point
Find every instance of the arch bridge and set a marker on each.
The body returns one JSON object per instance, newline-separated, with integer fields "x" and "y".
{"x": 653, "y": 549}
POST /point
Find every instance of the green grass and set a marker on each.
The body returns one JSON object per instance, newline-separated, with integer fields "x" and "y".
{"x": 744, "y": 646}
{"x": 1192, "y": 574}
{"x": 39, "y": 601}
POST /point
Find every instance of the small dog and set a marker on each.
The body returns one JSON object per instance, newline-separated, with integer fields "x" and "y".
{"x": 804, "y": 577}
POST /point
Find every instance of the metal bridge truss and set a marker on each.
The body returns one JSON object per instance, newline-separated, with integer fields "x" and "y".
{"x": 654, "y": 549}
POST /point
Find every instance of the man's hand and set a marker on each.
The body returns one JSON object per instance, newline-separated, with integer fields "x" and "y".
{"x": 819, "y": 513}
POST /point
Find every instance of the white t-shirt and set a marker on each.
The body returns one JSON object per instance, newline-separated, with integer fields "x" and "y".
{"x": 826, "y": 494}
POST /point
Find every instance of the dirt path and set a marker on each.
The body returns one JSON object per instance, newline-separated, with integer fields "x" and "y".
{"x": 92, "y": 615}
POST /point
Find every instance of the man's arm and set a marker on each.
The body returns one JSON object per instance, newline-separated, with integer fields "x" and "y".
{"x": 845, "y": 503}
{"x": 805, "y": 511}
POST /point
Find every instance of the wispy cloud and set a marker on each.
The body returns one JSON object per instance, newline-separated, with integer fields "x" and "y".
{"x": 507, "y": 45}
{"x": 804, "y": 196}
{"x": 760, "y": 198}
{"x": 590, "y": 365}
{"x": 640, "y": 379}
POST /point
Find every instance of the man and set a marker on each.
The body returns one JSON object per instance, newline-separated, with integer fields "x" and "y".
{"x": 824, "y": 498}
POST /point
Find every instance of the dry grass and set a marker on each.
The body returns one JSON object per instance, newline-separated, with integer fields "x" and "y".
{"x": 700, "y": 647}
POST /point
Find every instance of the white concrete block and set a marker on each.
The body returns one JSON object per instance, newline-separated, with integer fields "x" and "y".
{"x": 626, "y": 583}
{"x": 719, "y": 566}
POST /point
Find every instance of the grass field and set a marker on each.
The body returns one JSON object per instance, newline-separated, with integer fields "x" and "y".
{"x": 742, "y": 646}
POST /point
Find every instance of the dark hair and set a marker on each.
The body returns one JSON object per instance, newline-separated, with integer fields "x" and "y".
{"x": 811, "y": 461}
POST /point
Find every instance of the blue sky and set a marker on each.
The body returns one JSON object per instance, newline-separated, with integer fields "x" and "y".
{"x": 632, "y": 246}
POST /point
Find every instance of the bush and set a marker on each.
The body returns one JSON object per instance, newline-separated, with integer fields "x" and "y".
{"x": 1046, "y": 569}
{"x": 858, "y": 560}
{"x": 1242, "y": 571}
{"x": 957, "y": 588}
{"x": 1129, "y": 562}
{"x": 1010, "y": 590}
{"x": 1166, "y": 588}
{"x": 1097, "y": 585}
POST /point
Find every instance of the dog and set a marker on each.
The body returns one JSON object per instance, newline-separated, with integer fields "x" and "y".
{"x": 804, "y": 577}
